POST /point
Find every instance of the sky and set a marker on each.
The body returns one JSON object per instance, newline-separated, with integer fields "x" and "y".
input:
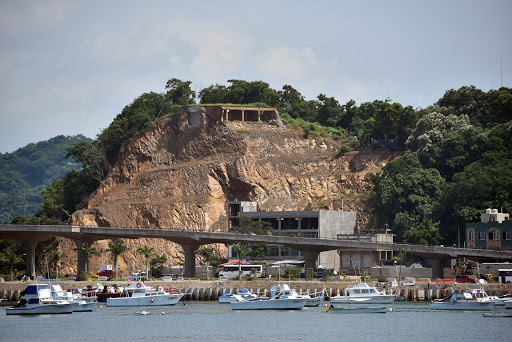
{"x": 69, "y": 67}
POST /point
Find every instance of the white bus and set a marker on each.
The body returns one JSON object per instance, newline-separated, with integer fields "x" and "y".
{"x": 232, "y": 271}
{"x": 505, "y": 276}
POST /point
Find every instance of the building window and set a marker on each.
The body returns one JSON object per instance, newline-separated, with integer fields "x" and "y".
{"x": 309, "y": 223}
{"x": 273, "y": 251}
{"x": 507, "y": 235}
{"x": 493, "y": 235}
{"x": 481, "y": 236}
{"x": 290, "y": 223}
{"x": 272, "y": 221}
{"x": 471, "y": 235}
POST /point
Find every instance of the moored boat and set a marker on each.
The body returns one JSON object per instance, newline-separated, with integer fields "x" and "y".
{"x": 467, "y": 300}
{"x": 37, "y": 299}
{"x": 356, "y": 310}
{"x": 364, "y": 294}
{"x": 80, "y": 304}
{"x": 282, "y": 298}
{"x": 138, "y": 294}
{"x": 311, "y": 301}
{"x": 245, "y": 294}
{"x": 497, "y": 314}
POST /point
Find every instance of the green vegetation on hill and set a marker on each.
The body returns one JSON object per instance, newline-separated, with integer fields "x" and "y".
{"x": 28, "y": 170}
{"x": 457, "y": 154}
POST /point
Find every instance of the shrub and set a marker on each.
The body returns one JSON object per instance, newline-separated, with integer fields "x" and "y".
{"x": 343, "y": 149}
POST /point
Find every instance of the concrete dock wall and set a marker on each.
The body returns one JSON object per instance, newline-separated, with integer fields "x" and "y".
{"x": 413, "y": 293}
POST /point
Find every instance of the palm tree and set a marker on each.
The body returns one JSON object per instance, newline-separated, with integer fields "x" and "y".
{"x": 116, "y": 248}
{"x": 55, "y": 257}
{"x": 158, "y": 261}
{"x": 87, "y": 251}
{"x": 148, "y": 252}
{"x": 11, "y": 258}
{"x": 400, "y": 256}
{"x": 208, "y": 254}
{"x": 241, "y": 250}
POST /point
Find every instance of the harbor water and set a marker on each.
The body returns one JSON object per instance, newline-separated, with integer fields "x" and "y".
{"x": 210, "y": 321}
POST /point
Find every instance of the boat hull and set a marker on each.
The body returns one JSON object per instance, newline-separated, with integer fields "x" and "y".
{"x": 372, "y": 309}
{"x": 41, "y": 310}
{"x": 481, "y": 306}
{"x": 156, "y": 300}
{"x": 313, "y": 302}
{"x": 270, "y": 304}
{"x": 87, "y": 307}
{"x": 386, "y": 299}
{"x": 227, "y": 299}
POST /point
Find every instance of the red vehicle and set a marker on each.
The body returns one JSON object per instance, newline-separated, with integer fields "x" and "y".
{"x": 465, "y": 279}
{"x": 106, "y": 273}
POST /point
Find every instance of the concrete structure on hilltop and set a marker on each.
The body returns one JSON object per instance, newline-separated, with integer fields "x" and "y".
{"x": 493, "y": 232}
{"x": 225, "y": 112}
{"x": 309, "y": 224}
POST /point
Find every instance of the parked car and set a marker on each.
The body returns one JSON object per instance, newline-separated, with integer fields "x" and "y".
{"x": 465, "y": 279}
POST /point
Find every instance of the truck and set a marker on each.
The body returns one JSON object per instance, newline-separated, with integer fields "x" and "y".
{"x": 106, "y": 271}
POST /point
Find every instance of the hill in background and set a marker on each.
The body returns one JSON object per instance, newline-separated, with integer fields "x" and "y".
{"x": 30, "y": 169}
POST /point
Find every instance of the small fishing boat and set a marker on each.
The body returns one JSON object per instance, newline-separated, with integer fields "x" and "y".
{"x": 467, "y": 300}
{"x": 311, "y": 301}
{"x": 363, "y": 294}
{"x": 80, "y": 304}
{"x": 283, "y": 299}
{"x": 138, "y": 294}
{"x": 497, "y": 314}
{"x": 358, "y": 310}
{"x": 37, "y": 299}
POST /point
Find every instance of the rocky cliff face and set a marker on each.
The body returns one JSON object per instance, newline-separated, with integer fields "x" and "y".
{"x": 180, "y": 173}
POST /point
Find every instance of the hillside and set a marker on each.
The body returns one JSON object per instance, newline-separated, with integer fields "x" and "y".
{"x": 32, "y": 168}
{"x": 179, "y": 173}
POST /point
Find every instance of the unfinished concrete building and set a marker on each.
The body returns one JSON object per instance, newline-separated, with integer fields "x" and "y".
{"x": 240, "y": 113}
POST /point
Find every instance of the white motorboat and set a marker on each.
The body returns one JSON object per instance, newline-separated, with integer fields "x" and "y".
{"x": 245, "y": 294}
{"x": 363, "y": 294}
{"x": 311, "y": 301}
{"x": 500, "y": 301}
{"x": 507, "y": 303}
{"x": 283, "y": 299}
{"x": 356, "y": 310}
{"x": 37, "y": 299}
{"x": 80, "y": 304}
{"x": 467, "y": 300}
{"x": 138, "y": 294}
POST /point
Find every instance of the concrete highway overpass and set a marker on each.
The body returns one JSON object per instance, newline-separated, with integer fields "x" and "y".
{"x": 192, "y": 240}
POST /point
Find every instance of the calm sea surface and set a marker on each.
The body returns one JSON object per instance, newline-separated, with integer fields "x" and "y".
{"x": 209, "y": 321}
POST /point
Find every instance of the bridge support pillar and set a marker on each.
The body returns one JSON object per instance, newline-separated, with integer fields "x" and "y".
{"x": 30, "y": 258}
{"x": 437, "y": 267}
{"x": 190, "y": 260}
{"x": 310, "y": 258}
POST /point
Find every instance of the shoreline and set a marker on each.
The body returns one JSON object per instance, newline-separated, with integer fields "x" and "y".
{"x": 203, "y": 290}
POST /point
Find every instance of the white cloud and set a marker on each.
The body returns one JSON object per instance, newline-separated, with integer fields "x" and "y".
{"x": 290, "y": 62}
